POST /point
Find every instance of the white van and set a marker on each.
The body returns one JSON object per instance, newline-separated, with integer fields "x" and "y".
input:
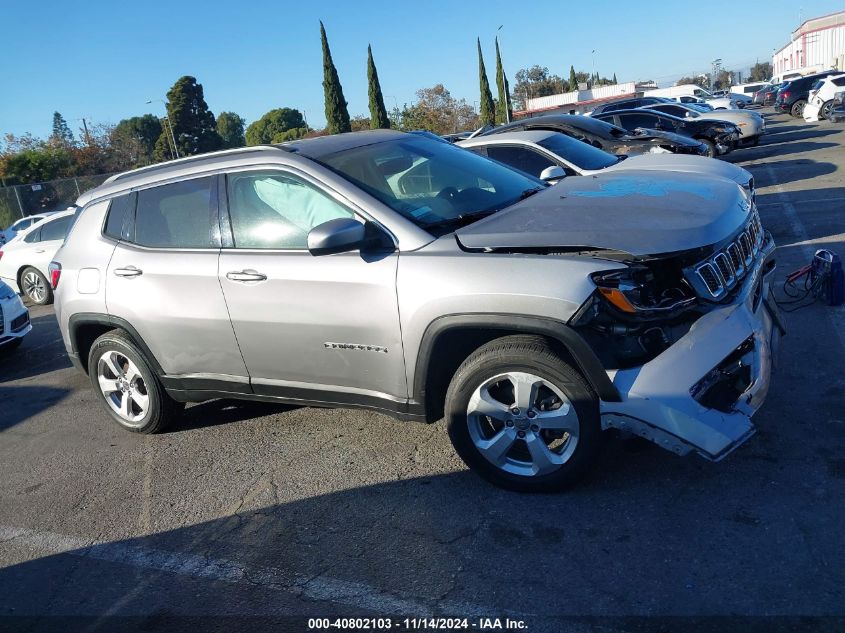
{"x": 692, "y": 90}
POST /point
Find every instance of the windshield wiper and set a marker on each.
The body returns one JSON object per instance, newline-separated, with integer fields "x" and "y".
{"x": 529, "y": 192}
{"x": 458, "y": 220}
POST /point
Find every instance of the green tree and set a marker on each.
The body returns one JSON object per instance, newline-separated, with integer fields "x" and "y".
{"x": 61, "y": 132}
{"x": 698, "y": 80}
{"x": 274, "y": 126}
{"x": 573, "y": 80}
{"x": 378, "y": 113}
{"x": 436, "y": 110}
{"x": 503, "y": 105}
{"x": 761, "y": 71}
{"x": 134, "y": 140}
{"x": 614, "y": 79}
{"x": 536, "y": 81}
{"x": 230, "y": 127}
{"x": 487, "y": 113}
{"x": 193, "y": 123}
{"x": 337, "y": 116}
{"x": 37, "y": 165}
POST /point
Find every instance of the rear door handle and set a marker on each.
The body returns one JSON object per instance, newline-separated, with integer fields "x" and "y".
{"x": 246, "y": 275}
{"x": 39, "y": 250}
{"x": 129, "y": 271}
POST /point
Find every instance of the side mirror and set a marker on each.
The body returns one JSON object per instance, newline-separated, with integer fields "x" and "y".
{"x": 553, "y": 173}
{"x": 336, "y": 236}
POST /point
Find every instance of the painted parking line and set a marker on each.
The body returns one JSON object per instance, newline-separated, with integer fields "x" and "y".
{"x": 794, "y": 202}
{"x": 319, "y": 588}
{"x": 836, "y": 315}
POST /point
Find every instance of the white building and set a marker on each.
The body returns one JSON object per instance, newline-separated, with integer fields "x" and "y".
{"x": 818, "y": 44}
{"x": 579, "y": 100}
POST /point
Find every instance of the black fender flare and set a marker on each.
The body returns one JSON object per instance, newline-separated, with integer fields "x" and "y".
{"x": 584, "y": 357}
{"x": 93, "y": 318}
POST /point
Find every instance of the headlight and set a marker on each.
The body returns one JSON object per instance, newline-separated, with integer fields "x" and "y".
{"x": 638, "y": 291}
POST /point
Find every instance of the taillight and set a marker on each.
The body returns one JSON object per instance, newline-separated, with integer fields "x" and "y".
{"x": 785, "y": 95}
{"x": 55, "y": 270}
{"x": 1, "y": 254}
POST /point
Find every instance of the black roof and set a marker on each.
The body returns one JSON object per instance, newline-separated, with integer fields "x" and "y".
{"x": 326, "y": 145}
{"x": 580, "y": 122}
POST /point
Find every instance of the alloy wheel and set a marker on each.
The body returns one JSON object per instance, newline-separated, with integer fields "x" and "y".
{"x": 123, "y": 387}
{"x": 34, "y": 287}
{"x": 523, "y": 424}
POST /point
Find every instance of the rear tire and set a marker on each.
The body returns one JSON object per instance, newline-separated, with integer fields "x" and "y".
{"x": 521, "y": 416}
{"x": 35, "y": 286}
{"x": 797, "y": 109}
{"x": 825, "y": 110}
{"x": 129, "y": 389}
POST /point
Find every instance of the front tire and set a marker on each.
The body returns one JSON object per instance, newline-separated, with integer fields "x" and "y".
{"x": 35, "y": 286}
{"x": 797, "y": 109}
{"x": 520, "y": 415}
{"x": 128, "y": 387}
{"x": 711, "y": 147}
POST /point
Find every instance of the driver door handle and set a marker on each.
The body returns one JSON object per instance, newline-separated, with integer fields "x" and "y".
{"x": 129, "y": 271}
{"x": 246, "y": 275}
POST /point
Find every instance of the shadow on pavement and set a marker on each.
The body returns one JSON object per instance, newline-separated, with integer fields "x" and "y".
{"x": 42, "y": 352}
{"x": 786, "y": 171}
{"x": 225, "y": 411}
{"x": 18, "y": 404}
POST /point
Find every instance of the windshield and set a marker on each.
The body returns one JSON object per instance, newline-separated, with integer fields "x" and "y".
{"x": 433, "y": 184}
{"x": 578, "y": 153}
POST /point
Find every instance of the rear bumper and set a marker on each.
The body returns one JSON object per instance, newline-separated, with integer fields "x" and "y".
{"x": 671, "y": 399}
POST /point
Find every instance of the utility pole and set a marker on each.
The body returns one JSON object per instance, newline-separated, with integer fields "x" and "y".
{"x": 87, "y": 136}
{"x": 169, "y": 125}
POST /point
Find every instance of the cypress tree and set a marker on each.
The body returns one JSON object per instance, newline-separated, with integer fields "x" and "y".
{"x": 573, "y": 81}
{"x": 503, "y": 106}
{"x": 614, "y": 79}
{"x": 486, "y": 113}
{"x": 378, "y": 113}
{"x": 61, "y": 132}
{"x": 337, "y": 116}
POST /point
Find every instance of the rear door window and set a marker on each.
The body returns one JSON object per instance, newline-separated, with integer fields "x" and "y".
{"x": 55, "y": 229}
{"x": 178, "y": 215}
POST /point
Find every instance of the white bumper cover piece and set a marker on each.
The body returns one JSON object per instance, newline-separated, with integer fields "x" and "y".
{"x": 14, "y": 318}
{"x": 657, "y": 397}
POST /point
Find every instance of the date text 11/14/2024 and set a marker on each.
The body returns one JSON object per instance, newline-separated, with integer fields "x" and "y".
{"x": 416, "y": 624}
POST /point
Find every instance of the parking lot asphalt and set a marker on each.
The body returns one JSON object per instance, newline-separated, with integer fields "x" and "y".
{"x": 256, "y": 510}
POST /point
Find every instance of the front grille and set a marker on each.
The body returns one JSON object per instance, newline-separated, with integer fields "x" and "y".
{"x": 19, "y": 323}
{"x": 720, "y": 273}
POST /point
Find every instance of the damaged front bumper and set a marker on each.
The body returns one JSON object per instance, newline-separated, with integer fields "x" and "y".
{"x": 699, "y": 394}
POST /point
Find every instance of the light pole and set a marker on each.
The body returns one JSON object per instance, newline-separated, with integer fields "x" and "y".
{"x": 715, "y": 68}
{"x": 504, "y": 81}
{"x": 169, "y": 125}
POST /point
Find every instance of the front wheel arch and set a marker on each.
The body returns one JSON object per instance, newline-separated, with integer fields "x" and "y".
{"x": 450, "y": 339}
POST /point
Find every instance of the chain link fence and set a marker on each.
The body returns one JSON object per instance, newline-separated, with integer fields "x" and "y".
{"x": 22, "y": 200}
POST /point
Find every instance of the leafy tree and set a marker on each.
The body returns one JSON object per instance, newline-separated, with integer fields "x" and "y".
{"x": 699, "y": 80}
{"x": 337, "y": 116}
{"x": 61, "y": 132}
{"x": 134, "y": 140}
{"x": 724, "y": 80}
{"x": 274, "y": 126}
{"x": 378, "y": 113}
{"x": 37, "y": 164}
{"x": 436, "y": 110}
{"x": 503, "y": 105}
{"x": 536, "y": 81}
{"x": 573, "y": 79}
{"x": 230, "y": 127}
{"x": 761, "y": 71}
{"x": 487, "y": 112}
{"x": 193, "y": 123}
{"x": 360, "y": 122}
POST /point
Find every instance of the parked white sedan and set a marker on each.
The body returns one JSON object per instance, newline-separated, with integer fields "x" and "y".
{"x": 552, "y": 156}
{"x": 19, "y": 226}
{"x": 24, "y": 260}
{"x": 14, "y": 319}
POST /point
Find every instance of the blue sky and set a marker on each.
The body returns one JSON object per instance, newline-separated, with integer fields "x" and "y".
{"x": 103, "y": 60}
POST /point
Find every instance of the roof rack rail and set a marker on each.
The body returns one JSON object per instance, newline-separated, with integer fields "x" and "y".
{"x": 192, "y": 159}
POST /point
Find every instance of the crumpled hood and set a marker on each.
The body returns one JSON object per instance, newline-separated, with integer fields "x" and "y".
{"x": 637, "y": 212}
{"x": 687, "y": 164}
{"x": 662, "y": 135}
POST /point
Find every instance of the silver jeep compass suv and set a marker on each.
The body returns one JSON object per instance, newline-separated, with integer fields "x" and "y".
{"x": 395, "y": 272}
